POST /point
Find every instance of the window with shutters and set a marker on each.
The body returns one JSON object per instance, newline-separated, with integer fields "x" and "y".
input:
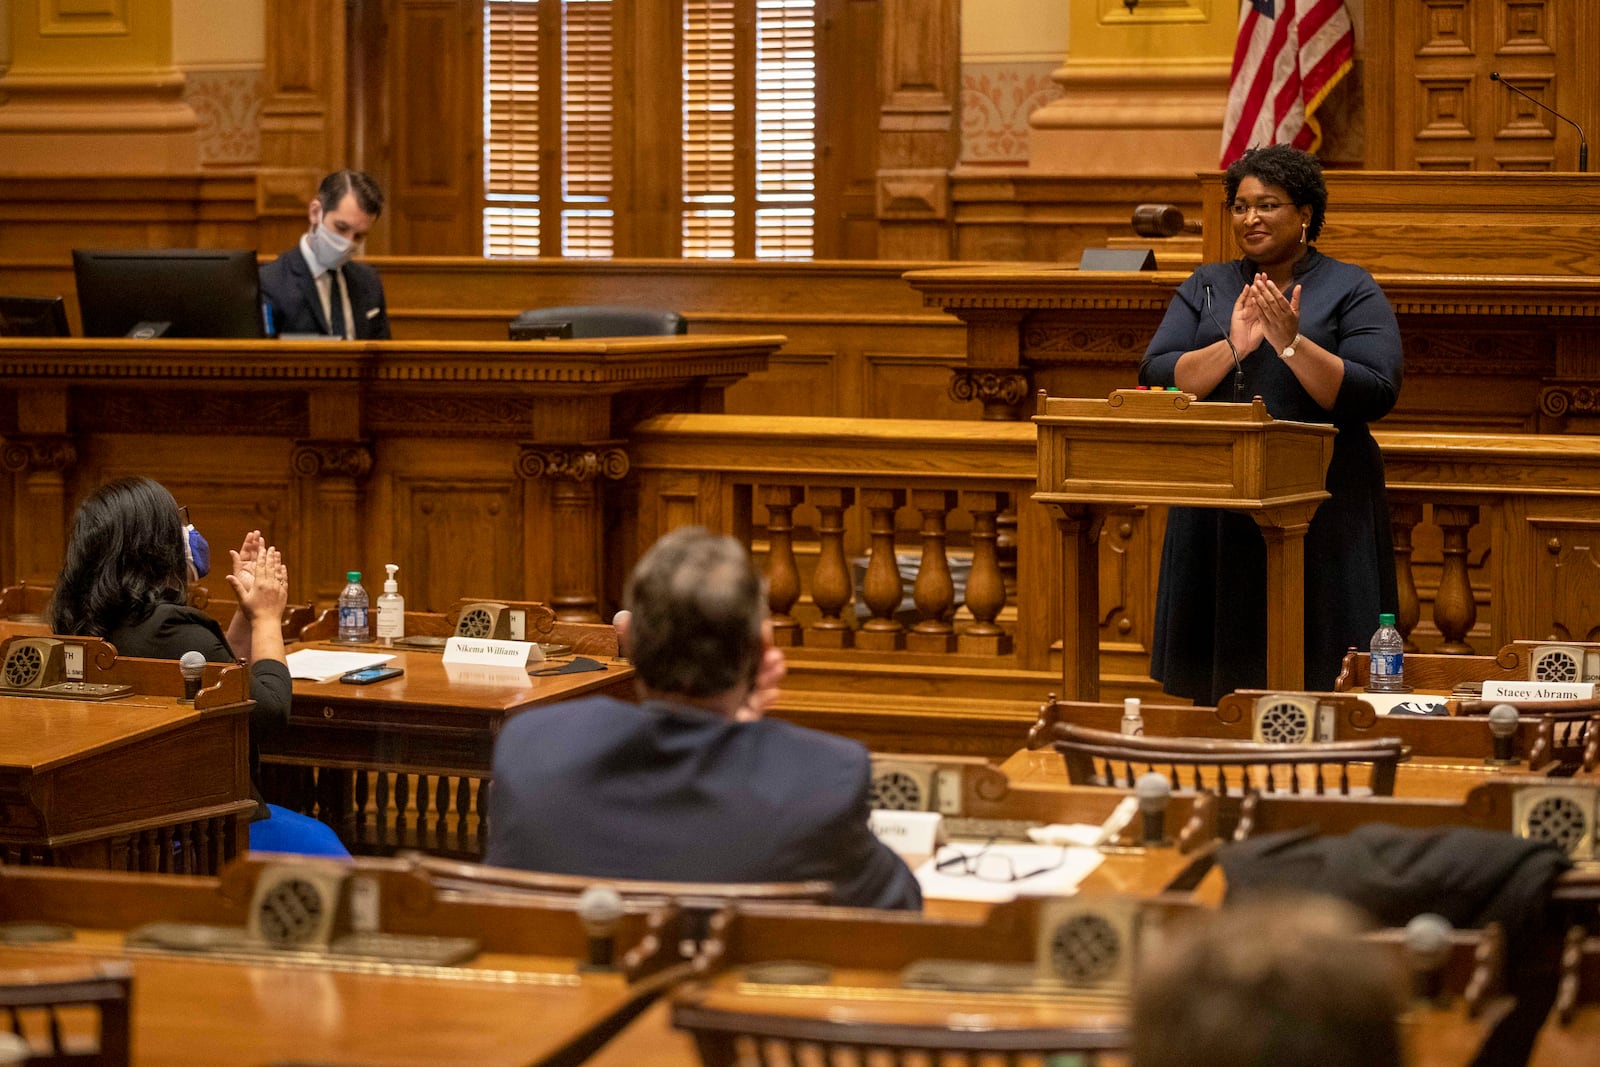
{"x": 747, "y": 81}
{"x": 547, "y": 110}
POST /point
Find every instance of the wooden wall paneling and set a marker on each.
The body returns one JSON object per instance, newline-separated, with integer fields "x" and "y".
{"x": 302, "y": 119}
{"x": 918, "y": 131}
{"x": 436, "y": 64}
{"x": 1566, "y": 600}
{"x": 848, "y": 73}
{"x": 647, "y": 123}
{"x": 370, "y": 119}
{"x": 464, "y": 536}
{"x": 914, "y": 385}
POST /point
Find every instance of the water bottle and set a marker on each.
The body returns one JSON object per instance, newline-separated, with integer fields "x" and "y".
{"x": 1386, "y": 669}
{"x": 353, "y": 610}
{"x": 1132, "y": 717}
{"x": 391, "y": 609}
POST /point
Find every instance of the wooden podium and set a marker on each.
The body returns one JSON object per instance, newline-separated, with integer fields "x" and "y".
{"x": 1163, "y": 447}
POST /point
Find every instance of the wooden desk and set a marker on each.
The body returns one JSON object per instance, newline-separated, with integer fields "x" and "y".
{"x": 405, "y": 763}
{"x": 522, "y": 999}
{"x": 138, "y": 783}
{"x": 350, "y": 455}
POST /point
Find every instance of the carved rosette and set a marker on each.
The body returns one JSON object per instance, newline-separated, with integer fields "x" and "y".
{"x": 1570, "y": 398}
{"x": 1006, "y": 388}
{"x": 578, "y": 463}
{"x": 43, "y": 454}
{"x": 331, "y": 459}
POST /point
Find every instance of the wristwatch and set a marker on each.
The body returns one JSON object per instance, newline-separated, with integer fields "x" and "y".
{"x": 1288, "y": 349}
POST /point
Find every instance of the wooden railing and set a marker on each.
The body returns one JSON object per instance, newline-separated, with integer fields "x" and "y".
{"x": 831, "y": 506}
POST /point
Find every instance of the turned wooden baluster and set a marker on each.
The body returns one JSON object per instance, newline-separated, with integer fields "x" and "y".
{"x": 986, "y": 586}
{"x": 1404, "y": 518}
{"x": 831, "y": 586}
{"x": 934, "y": 591}
{"x": 882, "y": 589}
{"x": 783, "y": 575}
{"x": 1454, "y": 610}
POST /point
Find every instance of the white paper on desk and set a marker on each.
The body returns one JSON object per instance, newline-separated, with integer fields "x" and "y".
{"x": 324, "y": 665}
{"x": 1061, "y": 880}
{"x": 1384, "y": 703}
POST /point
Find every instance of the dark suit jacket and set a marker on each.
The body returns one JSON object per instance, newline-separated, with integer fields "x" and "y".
{"x": 660, "y": 791}
{"x": 287, "y": 285}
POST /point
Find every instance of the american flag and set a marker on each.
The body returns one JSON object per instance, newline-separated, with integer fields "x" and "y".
{"x": 1290, "y": 55}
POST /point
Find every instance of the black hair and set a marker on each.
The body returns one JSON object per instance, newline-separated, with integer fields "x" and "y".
{"x": 125, "y": 557}
{"x": 1295, "y": 172}
{"x": 697, "y": 606}
{"x": 369, "y": 198}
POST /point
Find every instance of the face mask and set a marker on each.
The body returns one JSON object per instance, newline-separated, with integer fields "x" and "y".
{"x": 196, "y": 553}
{"x": 329, "y": 249}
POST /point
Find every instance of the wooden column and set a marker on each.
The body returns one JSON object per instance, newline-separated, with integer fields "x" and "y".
{"x": 986, "y": 585}
{"x": 91, "y": 90}
{"x": 1079, "y": 525}
{"x": 41, "y": 506}
{"x": 1454, "y": 610}
{"x": 333, "y": 541}
{"x": 1285, "y": 534}
{"x": 575, "y": 520}
{"x": 831, "y": 587}
{"x": 918, "y": 128}
{"x": 1403, "y": 519}
{"x": 882, "y": 589}
{"x": 783, "y": 576}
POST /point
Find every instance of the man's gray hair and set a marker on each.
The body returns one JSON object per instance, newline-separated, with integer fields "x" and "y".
{"x": 697, "y": 606}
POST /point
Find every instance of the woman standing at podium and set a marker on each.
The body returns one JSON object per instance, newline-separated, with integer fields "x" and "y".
{"x": 1317, "y": 340}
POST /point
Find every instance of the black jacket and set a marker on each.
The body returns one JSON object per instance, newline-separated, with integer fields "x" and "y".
{"x": 287, "y": 285}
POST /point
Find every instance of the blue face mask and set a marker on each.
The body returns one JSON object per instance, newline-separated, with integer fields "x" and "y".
{"x": 196, "y": 553}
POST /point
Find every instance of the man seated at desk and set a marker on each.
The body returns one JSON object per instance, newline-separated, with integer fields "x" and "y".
{"x": 317, "y": 288}
{"x": 692, "y": 784}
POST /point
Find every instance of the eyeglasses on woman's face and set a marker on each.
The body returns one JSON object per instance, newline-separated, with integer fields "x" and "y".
{"x": 1240, "y": 208}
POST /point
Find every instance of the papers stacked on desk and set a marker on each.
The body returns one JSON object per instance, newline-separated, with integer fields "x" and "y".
{"x": 324, "y": 665}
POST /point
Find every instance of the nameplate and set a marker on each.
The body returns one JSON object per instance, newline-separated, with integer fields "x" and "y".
{"x": 483, "y": 652}
{"x": 1538, "y": 690}
{"x": 909, "y": 833}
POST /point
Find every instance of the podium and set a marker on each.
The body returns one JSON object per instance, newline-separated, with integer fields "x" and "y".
{"x": 1141, "y": 447}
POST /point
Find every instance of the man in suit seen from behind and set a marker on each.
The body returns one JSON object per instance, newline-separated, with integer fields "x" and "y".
{"x": 316, "y": 287}
{"x": 692, "y": 783}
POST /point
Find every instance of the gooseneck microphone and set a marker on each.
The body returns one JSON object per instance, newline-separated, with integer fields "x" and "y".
{"x": 1583, "y": 142}
{"x": 1238, "y": 368}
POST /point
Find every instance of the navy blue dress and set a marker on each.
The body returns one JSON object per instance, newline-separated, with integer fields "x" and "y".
{"x": 1211, "y": 609}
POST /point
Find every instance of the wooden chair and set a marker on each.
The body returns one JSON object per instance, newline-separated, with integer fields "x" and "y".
{"x": 446, "y": 874}
{"x": 25, "y": 598}
{"x": 1227, "y": 768}
{"x": 34, "y": 1000}
{"x": 726, "y": 1038}
{"x": 1430, "y": 672}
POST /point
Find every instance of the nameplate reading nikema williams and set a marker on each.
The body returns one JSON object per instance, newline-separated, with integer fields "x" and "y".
{"x": 481, "y": 652}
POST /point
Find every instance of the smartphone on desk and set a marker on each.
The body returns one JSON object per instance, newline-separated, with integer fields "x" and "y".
{"x": 368, "y": 675}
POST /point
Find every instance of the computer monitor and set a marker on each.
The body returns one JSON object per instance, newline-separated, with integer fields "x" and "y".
{"x": 168, "y": 292}
{"x": 33, "y": 316}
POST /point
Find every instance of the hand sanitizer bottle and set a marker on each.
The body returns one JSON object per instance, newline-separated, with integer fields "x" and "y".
{"x": 391, "y": 609}
{"x": 1132, "y": 717}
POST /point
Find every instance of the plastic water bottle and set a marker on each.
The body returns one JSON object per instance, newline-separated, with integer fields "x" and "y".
{"x": 391, "y": 609}
{"x": 1386, "y": 669}
{"x": 1132, "y": 717}
{"x": 353, "y": 610}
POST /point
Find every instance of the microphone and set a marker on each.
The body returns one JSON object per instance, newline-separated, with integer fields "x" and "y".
{"x": 600, "y": 911}
{"x": 1583, "y": 142}
{"x": 1154, "y": 793}
{"x": 191, "y": 664}
{"x": 1238, "y": 368}
{"x": 1503, "y": 722}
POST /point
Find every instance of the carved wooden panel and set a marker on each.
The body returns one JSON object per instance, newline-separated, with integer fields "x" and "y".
{"x": 1433, "y": 60}
{"x": 1567, "y": 594}
{"x": 460, "y": 537}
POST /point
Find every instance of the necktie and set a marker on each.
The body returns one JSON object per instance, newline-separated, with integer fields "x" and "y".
{"x": 336, "y": 324}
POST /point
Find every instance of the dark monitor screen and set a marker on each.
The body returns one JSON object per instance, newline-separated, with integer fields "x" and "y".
{"x": 172, "y": 292}
{"x": 33, "y": 316}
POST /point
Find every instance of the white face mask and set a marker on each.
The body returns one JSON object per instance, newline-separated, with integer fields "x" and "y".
{"x": 330, "y": 250}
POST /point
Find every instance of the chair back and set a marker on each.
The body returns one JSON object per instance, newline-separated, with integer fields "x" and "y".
{"x": 45, "y": 1006}
{"x": 731, "y": 1038}
{"x": 479, "y": 877}
{"x": 607, "y": 320}
{"x": 1227, "y": 768}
